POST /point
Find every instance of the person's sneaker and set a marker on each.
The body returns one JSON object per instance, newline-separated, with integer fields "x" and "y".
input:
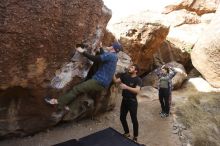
{"x": 167, "y": 115}
{"x": 162, "y": 112}
{"x": 51, "y": 101}
{"x": 135, "y": 139}
{"x": 164, "y": 115}
{"x": 126, "y": 135}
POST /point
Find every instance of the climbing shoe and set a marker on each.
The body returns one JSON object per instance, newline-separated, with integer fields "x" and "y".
{"x": 126, "y": 135}
{"x": 51, "y": 101}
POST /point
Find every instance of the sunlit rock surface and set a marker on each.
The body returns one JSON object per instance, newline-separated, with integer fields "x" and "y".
{"x": 205, "y": 54}
{"x": 198, "y": 6}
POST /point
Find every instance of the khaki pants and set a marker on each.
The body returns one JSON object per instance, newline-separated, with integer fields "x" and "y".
{"x": 90, "y": 85}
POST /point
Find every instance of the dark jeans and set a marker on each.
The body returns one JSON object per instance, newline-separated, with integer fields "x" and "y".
{"x": 129, "y": 105}
{"x": 164, "y": 94}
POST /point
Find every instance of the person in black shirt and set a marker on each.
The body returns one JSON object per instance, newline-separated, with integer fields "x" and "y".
{"x": 130, "y": 84}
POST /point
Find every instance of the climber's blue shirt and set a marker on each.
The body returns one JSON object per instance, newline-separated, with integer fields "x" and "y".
{"x": 107, "y": 69}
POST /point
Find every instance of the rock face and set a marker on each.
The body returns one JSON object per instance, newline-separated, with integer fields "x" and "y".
{"x": 37, "y": 41}
{"x": 108, "y": 38}
{"x": 185, "y": 27}
{"x": 38, "y": 37}
{"x": 168, "y": 53}
{"x": 206, "y": 52}
{"x": 198, "y": 6}
{"x": 141, "y": 40}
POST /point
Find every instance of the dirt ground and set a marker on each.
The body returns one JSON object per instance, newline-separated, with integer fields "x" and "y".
{"x": 153, "y": 130}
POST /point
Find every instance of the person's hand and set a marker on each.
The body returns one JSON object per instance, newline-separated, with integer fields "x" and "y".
{"x": 80, "y": 50}
{"x": 100, "y": 44}
{"x": 123, "y": 86}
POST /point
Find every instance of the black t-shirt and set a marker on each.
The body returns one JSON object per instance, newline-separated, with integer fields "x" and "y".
{"x": 131, "y": 82}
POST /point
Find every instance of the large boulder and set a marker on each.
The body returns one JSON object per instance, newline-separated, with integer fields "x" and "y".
{"x": 37, "y": 41}
{"x": 38, "y": 37}
{"x": 186, "y": 27}
{"x": 196, "y": 85}
{"x": 140, "y": 40}
{"x": 206, "y": 52}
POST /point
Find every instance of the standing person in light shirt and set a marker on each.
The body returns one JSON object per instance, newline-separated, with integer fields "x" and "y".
{"x": 165, "y": 75}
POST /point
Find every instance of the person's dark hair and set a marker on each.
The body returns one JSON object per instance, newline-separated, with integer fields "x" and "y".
{"x": 136, "y": 68}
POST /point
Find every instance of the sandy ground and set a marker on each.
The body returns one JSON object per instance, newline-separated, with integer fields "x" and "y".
{"x": 153, "y": 130}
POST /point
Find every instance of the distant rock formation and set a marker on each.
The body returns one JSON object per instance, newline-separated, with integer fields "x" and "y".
{"x": 184, "y": 29}
{"x": 199, "y": 6}
{"x": 206, "y": 52}
{"x": 140, "y": 40}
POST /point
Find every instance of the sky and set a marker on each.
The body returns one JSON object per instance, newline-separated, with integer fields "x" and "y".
{"x": 123, "y": 8}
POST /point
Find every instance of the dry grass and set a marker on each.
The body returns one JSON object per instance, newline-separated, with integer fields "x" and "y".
{"x": 201, "y": 115}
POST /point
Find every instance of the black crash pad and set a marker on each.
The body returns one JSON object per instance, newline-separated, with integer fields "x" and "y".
{"x": 106, "y": 137}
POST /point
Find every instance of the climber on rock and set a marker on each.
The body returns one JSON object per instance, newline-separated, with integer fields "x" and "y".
{"x": 99, "y": 81}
